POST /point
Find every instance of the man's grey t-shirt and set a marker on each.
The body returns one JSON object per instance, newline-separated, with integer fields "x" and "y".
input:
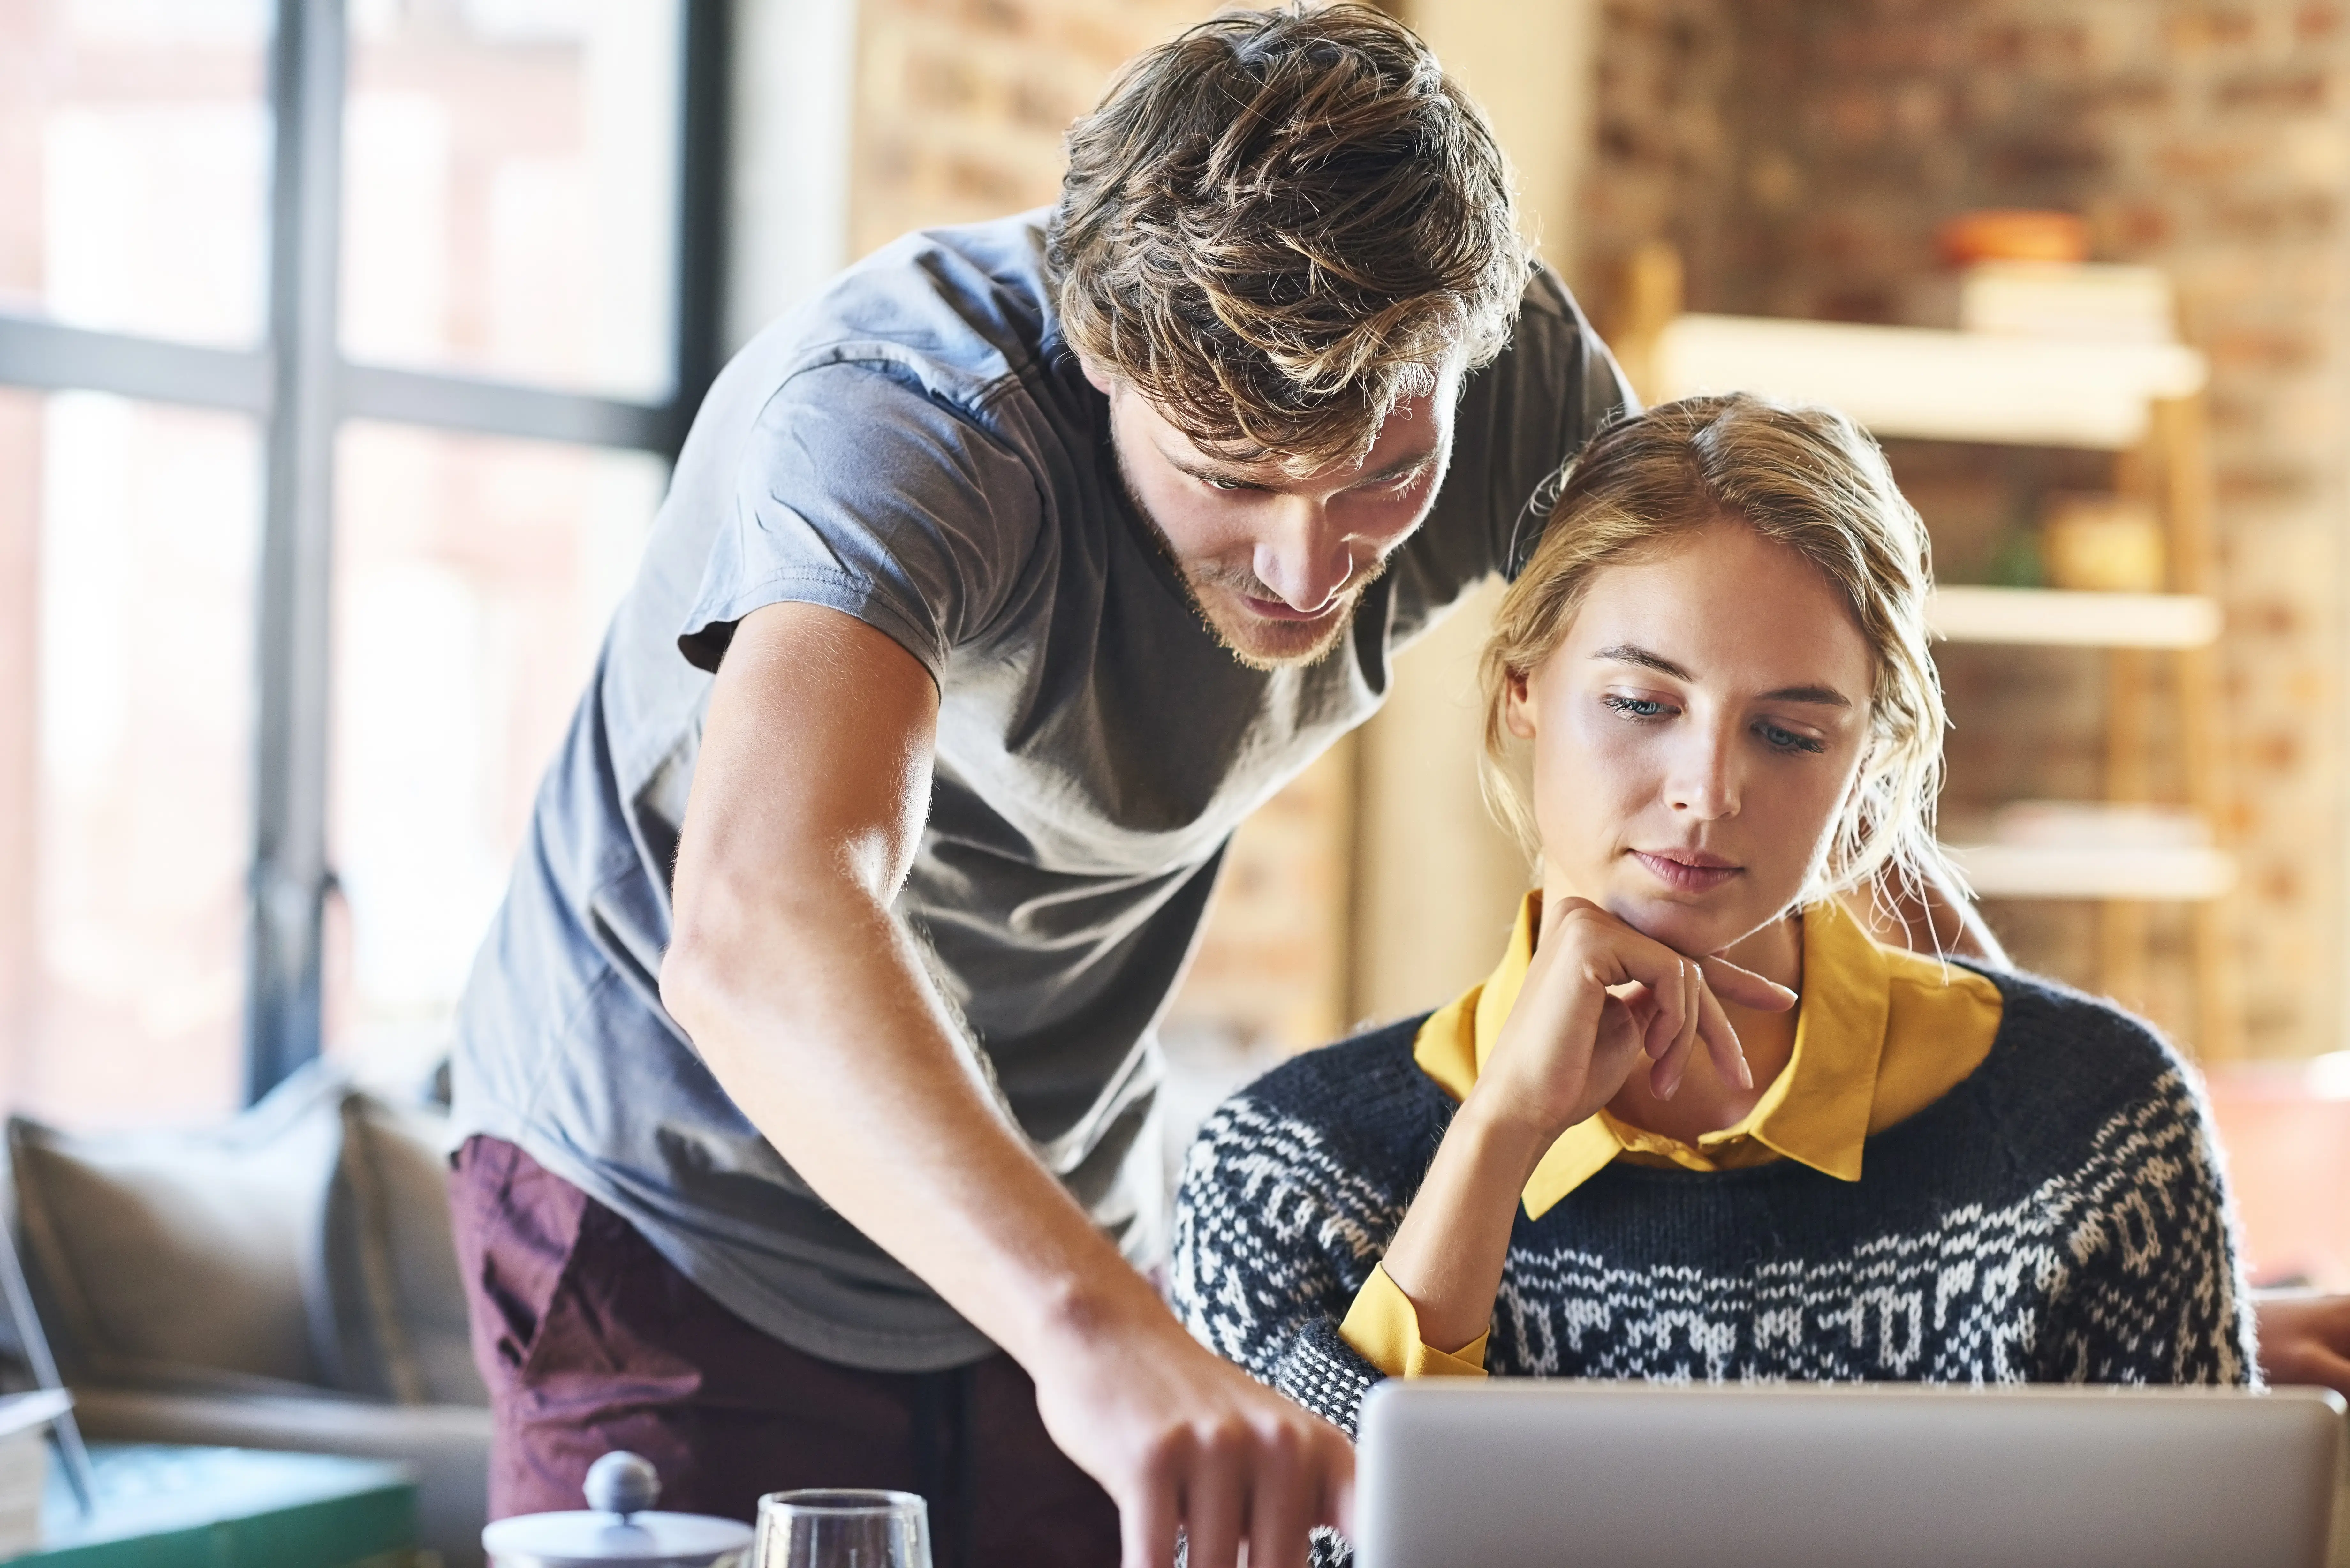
{"x": 917, "y": 449}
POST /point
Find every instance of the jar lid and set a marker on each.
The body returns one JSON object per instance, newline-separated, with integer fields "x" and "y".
{"x": 617, "y": 1530}
{"x": 645, "y": 1541}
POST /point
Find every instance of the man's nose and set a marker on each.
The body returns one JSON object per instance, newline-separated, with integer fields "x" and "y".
{"x": 1305, "y": 561}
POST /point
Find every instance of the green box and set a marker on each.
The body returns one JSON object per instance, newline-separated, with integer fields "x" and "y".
{"x": 165, "y": 1506}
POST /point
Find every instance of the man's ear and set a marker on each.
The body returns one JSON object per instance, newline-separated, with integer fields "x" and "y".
{"x": 1104, "y": 382}
{"x": 1517, "y": 706}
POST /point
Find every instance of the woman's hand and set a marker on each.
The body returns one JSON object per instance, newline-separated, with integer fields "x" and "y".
{"x": 1599, "y": 998}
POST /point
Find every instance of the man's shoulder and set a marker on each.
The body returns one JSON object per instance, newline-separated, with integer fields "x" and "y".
{"x": 1550, "y": 303}
{"x": 1520, "y": 418}
{"x": 894, "y": 448}
{"x": 964, "y": 310}
{"x": 1554, "y": 369}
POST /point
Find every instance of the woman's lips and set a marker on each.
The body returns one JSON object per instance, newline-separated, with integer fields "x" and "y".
{"x": 1688, "y": 871}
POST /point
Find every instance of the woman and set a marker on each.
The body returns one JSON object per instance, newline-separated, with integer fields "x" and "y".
{"x": 1697, "y": 1123}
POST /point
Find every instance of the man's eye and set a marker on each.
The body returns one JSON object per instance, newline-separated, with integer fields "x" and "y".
{"x": 1214, "y": 483}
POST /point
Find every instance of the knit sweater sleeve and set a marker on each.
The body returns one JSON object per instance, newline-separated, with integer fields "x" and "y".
{"x": 1273, "y": 1236}
{"x": 2152, "y": 1289}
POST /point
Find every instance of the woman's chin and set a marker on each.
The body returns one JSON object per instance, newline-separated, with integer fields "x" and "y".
{"x": 1682, "y": 926}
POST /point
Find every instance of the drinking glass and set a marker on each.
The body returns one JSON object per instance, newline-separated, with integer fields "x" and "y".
{"x": 842, "y": 1528}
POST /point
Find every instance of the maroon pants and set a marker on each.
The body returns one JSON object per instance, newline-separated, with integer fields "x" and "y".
{"x": 590, "y": 1341}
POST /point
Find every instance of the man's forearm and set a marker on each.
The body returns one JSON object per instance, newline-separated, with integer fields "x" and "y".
{"x": 819, "y": 1020}
{"x": 816, "y": 1016}
{"x": 812, "y": 1006}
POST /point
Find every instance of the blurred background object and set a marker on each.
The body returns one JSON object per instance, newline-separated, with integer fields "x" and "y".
{"x": 2287, "y": 1126}
{"x": 2102, "y": 544}
{"x": 342, "y": 348}
{"x": 2094, "y": 303}
{"x": 2014, "y": 234}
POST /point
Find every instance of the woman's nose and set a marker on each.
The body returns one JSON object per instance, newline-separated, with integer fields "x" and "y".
{"x": 1704, "y": 781}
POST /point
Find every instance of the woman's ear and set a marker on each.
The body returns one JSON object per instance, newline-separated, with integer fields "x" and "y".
{"x": 1518, "y": 706}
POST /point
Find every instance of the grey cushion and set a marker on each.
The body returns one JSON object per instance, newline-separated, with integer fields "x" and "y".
{"x": 305, "y": 1242}
{"x": 399, "y": 1305}
{"x": 164, "y": 1257}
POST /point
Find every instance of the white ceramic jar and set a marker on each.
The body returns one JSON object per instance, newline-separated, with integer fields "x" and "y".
{"x": 618, "y": 1528}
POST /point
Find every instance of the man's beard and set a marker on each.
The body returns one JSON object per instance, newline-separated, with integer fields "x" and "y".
{"x": 1326, "y": 634}
{"x": 1312, "y": 640}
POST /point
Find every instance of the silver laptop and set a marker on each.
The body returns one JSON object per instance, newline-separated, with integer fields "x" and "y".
{"x": 1529, "y": 1474}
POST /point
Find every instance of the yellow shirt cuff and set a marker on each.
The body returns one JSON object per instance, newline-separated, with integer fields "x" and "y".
{"x": 1383, "y": 1328}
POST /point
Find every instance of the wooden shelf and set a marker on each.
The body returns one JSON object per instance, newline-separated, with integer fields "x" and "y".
{"x": 2158, "y": 873}
{"x": 2049, "y": 616}
{"x": 1934, "y": 385}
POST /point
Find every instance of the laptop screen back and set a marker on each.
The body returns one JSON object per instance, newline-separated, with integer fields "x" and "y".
{"x": 1525, "y": 1473}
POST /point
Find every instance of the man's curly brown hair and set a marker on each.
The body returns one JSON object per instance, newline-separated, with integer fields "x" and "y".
{"x": 1279, "y": 225}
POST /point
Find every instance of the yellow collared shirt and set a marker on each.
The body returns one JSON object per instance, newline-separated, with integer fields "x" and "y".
{"x": 1881, "y": 1035}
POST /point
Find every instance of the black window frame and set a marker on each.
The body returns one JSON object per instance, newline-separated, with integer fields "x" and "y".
{"x": 299, "y": 388}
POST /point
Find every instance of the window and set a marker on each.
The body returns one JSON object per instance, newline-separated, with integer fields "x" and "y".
{"x": 133, "y": 537}
{"x": 342, "y": 350}
{"x": 138, "y": 166}
{"x": 473, "y": 581}
{"x": 510, "y": 190}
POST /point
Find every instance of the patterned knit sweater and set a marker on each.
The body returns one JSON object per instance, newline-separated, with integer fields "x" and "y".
{"x": 2058, "y": 1217}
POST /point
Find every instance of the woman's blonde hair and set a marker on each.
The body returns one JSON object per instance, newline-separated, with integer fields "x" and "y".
{"x": 1804, "y": 477}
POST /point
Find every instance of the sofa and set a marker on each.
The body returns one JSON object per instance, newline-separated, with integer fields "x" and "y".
{"x": 286, "y": 1280}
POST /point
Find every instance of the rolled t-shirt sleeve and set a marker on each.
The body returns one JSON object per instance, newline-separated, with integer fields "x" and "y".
{"x": 862, "y": 491}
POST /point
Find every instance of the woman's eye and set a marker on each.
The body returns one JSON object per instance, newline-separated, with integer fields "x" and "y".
{"x": 1782, "y": 739}
{"x": 1637, "y": 706}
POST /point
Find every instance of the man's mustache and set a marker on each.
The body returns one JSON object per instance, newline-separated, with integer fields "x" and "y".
{"x": 1241, "y": 580}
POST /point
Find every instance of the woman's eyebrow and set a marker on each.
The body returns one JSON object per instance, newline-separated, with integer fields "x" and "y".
{"x": 1630, "y": 653}
{"x": 1827, "y": 696}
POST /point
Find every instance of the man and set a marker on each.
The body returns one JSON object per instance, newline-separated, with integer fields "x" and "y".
{"x": 806, "y": 1069}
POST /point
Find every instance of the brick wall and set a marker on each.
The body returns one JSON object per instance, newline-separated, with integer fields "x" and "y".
{"x": 1802, "y": 157}
{"x": 961, "y": 104}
